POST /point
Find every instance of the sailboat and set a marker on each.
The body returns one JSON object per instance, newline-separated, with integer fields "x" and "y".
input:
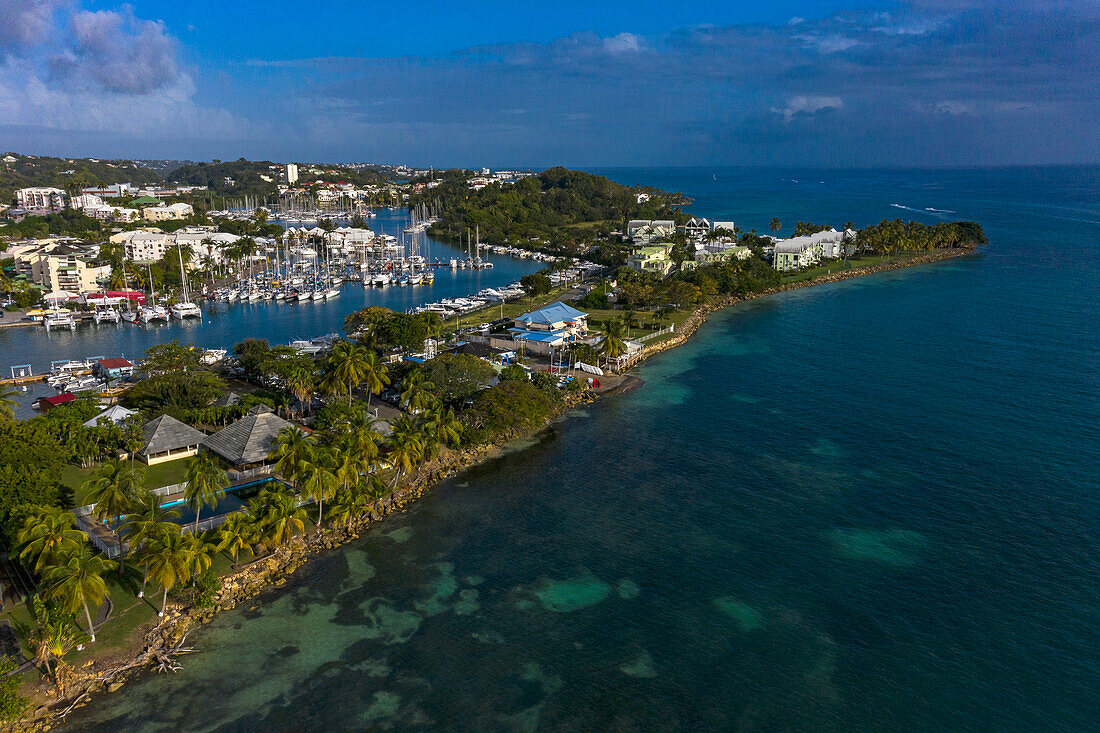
{"x": 185, "y": 309}
{"x": 129, "y": 315}
{"x": 153, "y": 312}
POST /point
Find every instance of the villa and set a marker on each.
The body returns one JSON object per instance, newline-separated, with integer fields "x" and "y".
{"x": 246, "y": 443}
{"x": 167, "y": 439}
{"x": 809, "y": 249}
{"x": 654, "y": 259}
{"x": 647, "y": 231}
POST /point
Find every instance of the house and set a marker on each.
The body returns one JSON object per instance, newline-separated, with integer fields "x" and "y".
{"x": 144, "y": 201}
{"x": 167, "y": 439}
{"x": 47, "y": 199}
{"x": 797, "y": 252}
{"x": 726, "y": 228}
{"x": 247, "y": 442}
{"x": 704, "y": 257}
{"x": 654, "y": 259}
{"x": 114, "y": 368}
{"x": 647, "y": 231}
{"x": 172, "y": 212}
{"x": 48, "y": 403}
{"x": 809, "y": 249}
{"x": 116, "y": 414}
{"x": 697, "y": 228}
{"x": 555, "y": 325}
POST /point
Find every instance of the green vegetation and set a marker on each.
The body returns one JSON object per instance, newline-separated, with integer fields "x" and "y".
{"x": 69, "y": 223}
{"x": 37, "y": 170}
{"x": 559, "y": 210}
{"x": 457, "y": 376}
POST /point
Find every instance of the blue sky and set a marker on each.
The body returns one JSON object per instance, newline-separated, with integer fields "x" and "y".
{"x": 838, "y": 83}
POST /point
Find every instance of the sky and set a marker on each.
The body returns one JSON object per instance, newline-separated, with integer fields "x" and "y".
{"x": 834, "y": 83}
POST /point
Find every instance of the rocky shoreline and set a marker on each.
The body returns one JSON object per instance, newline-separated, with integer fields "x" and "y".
{"x": 162, "y": 644}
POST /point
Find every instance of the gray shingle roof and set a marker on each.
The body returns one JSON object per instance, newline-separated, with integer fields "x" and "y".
{"x": 167, "y": 433}
{"x": 248, "y": 440}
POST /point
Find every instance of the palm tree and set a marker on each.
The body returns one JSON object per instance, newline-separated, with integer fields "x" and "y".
{"x": 347, "y": 504}
{"x": 292, "y": 449}
{"x": 200, "y": 554}
{"x": 775, "y": 225}
{"x": 319, "y": 480}
{"x": 51, "y": 636}
{"x": 47, "y": 536}
{"x": 235, "y": 534}
{"x": 376, "y": 490}
{"x": 168, "y": 556}
{"x": 8, "y": 403}
{"x": 300, "y": 384}
{"x": 405, "y": 447}
{"x": 630, "y": 320}
{"x": 114, "y": 489}
{"x": 376, "y": 375}
{"x": 279, "y": 515}
{"x": 418, "y": 391}
{"x": 447, "y": 428}
{"x": 79, "y": 580}
{"x": 206, "y": 483}
{"x": 613, "y": 345}
{"x": 147, "y": 522}
{"x": 348, "y": 364}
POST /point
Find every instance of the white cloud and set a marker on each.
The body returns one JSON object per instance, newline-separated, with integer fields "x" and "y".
{"x": 806, "y": 105}
{"x": 623, "y": 43}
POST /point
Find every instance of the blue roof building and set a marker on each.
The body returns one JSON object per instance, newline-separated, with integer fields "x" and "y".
{"x": 555, "y": 325}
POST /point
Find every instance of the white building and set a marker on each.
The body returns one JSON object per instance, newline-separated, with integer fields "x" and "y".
{"x": 809, "y": 249}
{"x": 291, "y": 173}
{"x": 85, "y": 201}
{"x": 147, "y": 246}
{"x": 51, "y": 199}
{"x": 172, "y": 212}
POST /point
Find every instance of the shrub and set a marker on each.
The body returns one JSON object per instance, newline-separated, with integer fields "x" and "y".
{"x": 506, "y": 410}
{"x": 11, "y": 702}
{"x": 513, "y": 373}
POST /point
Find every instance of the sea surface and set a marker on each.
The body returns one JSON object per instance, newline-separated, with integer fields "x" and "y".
{"x": 226, "y": 324}
{"x": 866, "y": 506}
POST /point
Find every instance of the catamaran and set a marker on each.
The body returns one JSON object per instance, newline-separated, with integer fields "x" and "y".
{"x": 58, "y": 318}
{"x": 185, "y": 309}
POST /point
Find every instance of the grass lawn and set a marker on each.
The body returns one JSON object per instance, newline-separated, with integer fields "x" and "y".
{"x": 162, "y": 474}
{"x": 510, "y": 310}
{"x": 853, "y": 264}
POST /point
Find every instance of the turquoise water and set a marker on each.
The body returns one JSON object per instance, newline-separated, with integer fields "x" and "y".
{"x": 865, "y": 506}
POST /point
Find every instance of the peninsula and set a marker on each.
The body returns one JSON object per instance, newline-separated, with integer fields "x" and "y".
{"x": 151, "y": 494}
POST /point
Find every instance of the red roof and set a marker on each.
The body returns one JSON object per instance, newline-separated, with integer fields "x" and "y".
{"x": 114, "y": 363}
{"x": 47, "y": 403}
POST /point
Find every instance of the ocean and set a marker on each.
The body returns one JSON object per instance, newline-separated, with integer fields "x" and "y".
{"x": 864, "y": 506}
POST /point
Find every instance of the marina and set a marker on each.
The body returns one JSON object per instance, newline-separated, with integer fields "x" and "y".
{"x": 225, "y": 323}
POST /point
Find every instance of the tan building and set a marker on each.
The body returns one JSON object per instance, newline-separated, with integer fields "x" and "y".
{"x": 63, "y": 267}
{"x": 172, "y": 212}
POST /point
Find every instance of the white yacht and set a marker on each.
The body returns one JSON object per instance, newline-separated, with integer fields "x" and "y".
{"x": 59, "y": 319}
{"x": 105, "y": 314}
{"x": 187, "y": 309}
